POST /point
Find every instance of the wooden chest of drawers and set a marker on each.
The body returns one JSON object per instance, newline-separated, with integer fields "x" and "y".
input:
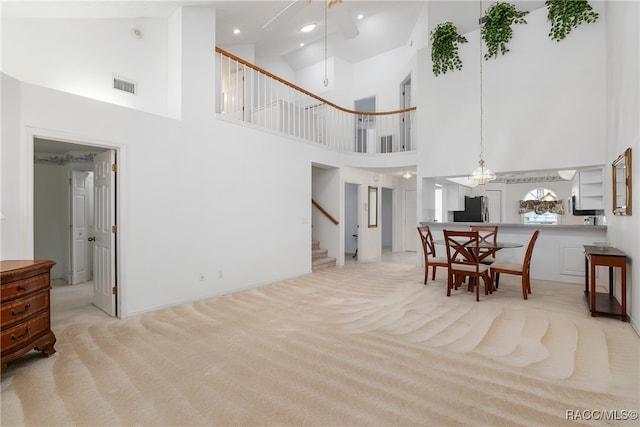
{"x": 26, "y": 316}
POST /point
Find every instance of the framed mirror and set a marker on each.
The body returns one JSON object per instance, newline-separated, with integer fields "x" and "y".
{"x": 373, "y": 207}
{"x": 621, "y": 179}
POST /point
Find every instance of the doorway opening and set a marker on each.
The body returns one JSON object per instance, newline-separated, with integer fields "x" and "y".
{"x": 67, "y": 186}
{"x": 365, "y": 125}
{"x": 386, "y": 220}
{"x": 405, "y": 122}
{"x": 351, "y": 226}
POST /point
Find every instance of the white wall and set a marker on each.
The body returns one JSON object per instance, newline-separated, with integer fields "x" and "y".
{"x": 623, "y": 130}
{"x": 392, "y": 67}
{"x": 81, "y": 56}
{"x": 544, "y": 103}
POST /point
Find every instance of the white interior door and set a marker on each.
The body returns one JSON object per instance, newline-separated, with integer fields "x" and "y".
{"x": 104, "y": 281}
{"x": 80, "y": 246}
{"x": 410, "y": 220}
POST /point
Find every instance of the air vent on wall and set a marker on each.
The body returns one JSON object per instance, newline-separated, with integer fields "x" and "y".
{"x": 123, "y": 85}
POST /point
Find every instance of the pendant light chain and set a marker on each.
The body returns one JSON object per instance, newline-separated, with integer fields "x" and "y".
{"x": 481, "y": 106}
{"x": 481, "y": 174}
{"x": 326, "y": 77}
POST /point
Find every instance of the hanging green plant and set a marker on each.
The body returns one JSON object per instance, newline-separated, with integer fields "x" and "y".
{"x": 565, "y": 15}
{"x": 496, "y": 31}
{"x": 444, "y": 48}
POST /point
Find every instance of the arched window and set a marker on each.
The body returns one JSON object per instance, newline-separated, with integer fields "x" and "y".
{"x": 538, "y": 213}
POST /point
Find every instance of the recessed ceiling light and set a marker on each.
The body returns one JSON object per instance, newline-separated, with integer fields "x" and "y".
{"x": 360, "y": 17}
{"x": 236, "y": 31}
{"x": 136, "y": 33}
{"x": 301, "y": 44}
{"x": 307, "y": 28}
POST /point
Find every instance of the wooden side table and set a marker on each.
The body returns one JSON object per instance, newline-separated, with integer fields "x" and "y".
{"x": 600, "y": 302}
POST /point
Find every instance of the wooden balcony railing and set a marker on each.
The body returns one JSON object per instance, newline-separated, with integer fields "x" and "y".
{"x": 254, "y": 95}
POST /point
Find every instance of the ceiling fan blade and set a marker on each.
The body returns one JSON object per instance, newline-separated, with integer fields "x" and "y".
{"x": 345, "y": 23}
{"x": 279, "y": 14}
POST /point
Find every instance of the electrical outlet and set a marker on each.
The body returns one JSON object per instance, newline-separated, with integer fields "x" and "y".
{"x": 202, "y": 277}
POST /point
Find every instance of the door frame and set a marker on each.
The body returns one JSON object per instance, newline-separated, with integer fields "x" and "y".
{"x": 26, "y": 201}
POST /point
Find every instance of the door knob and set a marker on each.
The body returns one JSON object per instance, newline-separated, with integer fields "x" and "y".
{"x": 92, "y": 239}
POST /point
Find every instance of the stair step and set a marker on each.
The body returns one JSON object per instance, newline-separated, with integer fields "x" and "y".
{"x": 320, "y": 258}
{"x": 321, "y": 263}
{"x": 319, "y": 253}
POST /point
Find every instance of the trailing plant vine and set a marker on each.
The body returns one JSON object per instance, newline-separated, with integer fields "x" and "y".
{"x": 565, "y": 15}
{"x": 444, "y": 48}
{"x": 496, "y": 31}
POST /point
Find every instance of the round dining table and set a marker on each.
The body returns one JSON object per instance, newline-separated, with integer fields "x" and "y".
{"x": 488, "y": 245}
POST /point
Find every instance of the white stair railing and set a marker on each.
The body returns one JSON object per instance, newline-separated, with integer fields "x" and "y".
{"x": 251, "y": 94}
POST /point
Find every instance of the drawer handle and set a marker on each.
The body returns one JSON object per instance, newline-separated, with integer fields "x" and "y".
{"x": 22, "y": 288}
{"x": 27, "y": 332}
{"x": 20, "y": 313}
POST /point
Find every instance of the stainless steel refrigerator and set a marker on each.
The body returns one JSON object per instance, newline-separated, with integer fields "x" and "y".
{"x": 476, "y": 209}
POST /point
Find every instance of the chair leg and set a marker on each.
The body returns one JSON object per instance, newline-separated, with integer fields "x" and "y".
{"x": 524, "y": 287}
{"x": 497, "y": 280}
{"x": 433, "y": 277}
{"x": 426, "y": 274}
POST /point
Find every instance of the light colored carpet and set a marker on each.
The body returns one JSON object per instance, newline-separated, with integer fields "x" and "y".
{"x": 362, "y": 345}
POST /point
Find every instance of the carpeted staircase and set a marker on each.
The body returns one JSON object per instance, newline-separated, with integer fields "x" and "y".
{"x": 319, "y": 257}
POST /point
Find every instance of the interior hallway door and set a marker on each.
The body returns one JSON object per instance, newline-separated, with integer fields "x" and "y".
{"x": 104, "y": 282}
{"x": 81, "y": 188}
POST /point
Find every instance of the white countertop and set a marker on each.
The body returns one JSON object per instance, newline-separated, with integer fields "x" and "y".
{"x": 525, "y": 226}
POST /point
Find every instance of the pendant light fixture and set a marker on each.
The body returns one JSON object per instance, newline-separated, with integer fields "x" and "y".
{"x": 481, "y": 174}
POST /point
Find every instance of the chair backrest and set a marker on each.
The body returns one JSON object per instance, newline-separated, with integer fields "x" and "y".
{"x": 527, "y": 257}
{"x": 462, "y": 247}
{"x": 427, "y": 242}
{"x": 486, "y": 233}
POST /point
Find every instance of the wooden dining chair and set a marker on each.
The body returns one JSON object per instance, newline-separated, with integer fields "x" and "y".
{"x": 429, "y": 249}
{"x": 487, "y": 234}
{"x": 522, "y": 270}
{"x": 462, "y": 247}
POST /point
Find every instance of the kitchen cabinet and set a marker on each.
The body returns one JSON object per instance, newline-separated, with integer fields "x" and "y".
{"x": 455, "y": 196}
{"x": 589, "y": 189}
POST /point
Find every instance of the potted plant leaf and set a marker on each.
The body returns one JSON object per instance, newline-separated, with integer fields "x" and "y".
{"x": 565, "y": 15}
{"x": 496, "y": 31}
{"x": 444, "y": 48}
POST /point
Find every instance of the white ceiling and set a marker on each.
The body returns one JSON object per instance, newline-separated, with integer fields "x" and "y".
{"x": 386, "y": 24}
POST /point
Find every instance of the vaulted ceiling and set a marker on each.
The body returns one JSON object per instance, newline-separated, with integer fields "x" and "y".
{"x": 272, "y": 26}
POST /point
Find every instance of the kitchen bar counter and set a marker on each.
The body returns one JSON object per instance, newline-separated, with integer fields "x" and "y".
{"x": 524, "y": 226}
{"x": 559, "y": 251}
